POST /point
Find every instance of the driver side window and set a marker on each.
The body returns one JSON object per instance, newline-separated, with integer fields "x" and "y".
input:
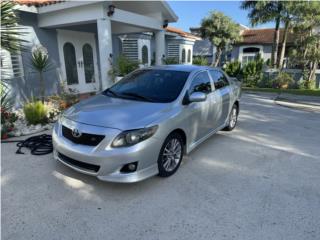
{"x": 201, "y": 83}
{"x": 219, "y": 79}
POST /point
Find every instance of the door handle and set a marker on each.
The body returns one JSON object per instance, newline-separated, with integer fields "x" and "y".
{"x": 79, "y": 64}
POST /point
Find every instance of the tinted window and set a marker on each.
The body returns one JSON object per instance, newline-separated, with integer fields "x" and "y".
{"x": 201, "y": 83}
{"x": 150, "y": 85}
{"x": 219, "y": 79}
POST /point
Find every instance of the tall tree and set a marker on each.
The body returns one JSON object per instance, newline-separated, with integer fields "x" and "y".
{"x": 263, "y": 12}
{"x": 306, "y": 27}
{"x": 221, "y": 31}
{"x": 287, "y": 16}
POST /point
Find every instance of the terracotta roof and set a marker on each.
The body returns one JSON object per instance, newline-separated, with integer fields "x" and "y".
{"x": 182, "y": 33}
{"x": 262, "y": 36}
{"x": 36, "y": 3}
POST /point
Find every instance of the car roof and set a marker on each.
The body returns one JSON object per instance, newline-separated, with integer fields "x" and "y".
{"x": 181, "y": 67}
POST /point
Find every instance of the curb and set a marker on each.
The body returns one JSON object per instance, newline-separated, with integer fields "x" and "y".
{"x": 297, "y": 105}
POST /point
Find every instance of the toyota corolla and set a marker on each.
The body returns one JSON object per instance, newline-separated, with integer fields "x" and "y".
{"x": 144, "y": 124}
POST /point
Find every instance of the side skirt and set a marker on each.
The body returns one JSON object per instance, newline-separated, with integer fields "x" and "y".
{"x": 197, "y": 143}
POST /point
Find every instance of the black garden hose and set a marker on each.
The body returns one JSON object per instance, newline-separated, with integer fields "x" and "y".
{"x": 38, "y": 145}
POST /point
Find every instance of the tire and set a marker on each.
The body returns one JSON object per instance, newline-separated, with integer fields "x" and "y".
{"x": 168, "y": 163}
{"x": 233, "y": 118}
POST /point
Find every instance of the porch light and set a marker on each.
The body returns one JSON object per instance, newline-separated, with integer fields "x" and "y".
{"x": 111, "y": 10}
{"x": 165, "y": 23}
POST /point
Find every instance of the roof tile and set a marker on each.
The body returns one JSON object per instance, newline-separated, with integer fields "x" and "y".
{"x": 37, "y": 3}
{"x": 262, "y": 36}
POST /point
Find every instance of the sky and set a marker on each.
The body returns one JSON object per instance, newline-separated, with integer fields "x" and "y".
{"x": 190, "y": 13}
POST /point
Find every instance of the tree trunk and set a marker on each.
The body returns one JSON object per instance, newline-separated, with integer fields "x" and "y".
{"x": 42, "y": 89}
{"x": 284, "y": 43}
{"x": 312, "y": 72}
{"x": 275, "y": 46}
{"x": 217, "y": 60}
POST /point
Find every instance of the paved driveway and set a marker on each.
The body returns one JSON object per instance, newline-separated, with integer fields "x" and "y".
{"x": 261, "y": 181}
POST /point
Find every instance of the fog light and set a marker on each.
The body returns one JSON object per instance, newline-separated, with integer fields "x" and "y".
{"x": 132, "y": 167}
{"x": 129, "y": 168}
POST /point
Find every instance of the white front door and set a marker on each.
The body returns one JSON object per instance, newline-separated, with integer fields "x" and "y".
{"x": 78, "y": 59}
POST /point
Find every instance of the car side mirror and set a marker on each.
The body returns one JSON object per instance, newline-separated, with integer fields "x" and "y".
{"x": 197, "y": 97}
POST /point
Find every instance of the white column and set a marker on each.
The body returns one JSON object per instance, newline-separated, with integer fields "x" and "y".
{"x": 105, "y": 49}
{"x": 160, "y": 46}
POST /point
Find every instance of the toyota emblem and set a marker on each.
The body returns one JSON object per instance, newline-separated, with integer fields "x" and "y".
{"x": 76, "y": 133}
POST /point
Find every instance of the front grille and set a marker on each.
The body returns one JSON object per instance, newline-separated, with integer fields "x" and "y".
{"x": 82, "y": 165}
{"x": 84, "y": 139}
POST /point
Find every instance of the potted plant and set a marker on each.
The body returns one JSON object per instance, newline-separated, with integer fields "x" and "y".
{"x": 40, "y": 62}
{"x": 123, "y": 66}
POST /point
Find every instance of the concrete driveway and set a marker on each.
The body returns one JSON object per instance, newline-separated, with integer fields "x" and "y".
{"x": 261, "y": 181}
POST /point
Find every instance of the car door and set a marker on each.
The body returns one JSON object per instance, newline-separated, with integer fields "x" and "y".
{"x": 201, "y": 112}
{"x": 222, "y": 91}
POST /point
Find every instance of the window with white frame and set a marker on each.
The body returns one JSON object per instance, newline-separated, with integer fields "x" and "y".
{"x": 189, "y": 56}
{"x": 144, "y": 54}
{"x": 249, "y": 54}
{"x": 183, "y": 56}
{"x": 11, "y": 65}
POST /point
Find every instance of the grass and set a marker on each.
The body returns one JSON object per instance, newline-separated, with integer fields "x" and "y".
{"x": 306, "y": 92}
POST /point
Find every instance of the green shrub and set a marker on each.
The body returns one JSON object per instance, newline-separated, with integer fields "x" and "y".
{"x": 264, "y": 82}
{"x": 233, "y": 69}
{"x": 170, "y": 60}
{"x": 125, "y": 65}
{"x": 305, "y": 84}
{"x": 35, "y": 112}
{"x": 251, "y": 74}
{"x": 283, "y": 81}
{"x": 202, "y": 61}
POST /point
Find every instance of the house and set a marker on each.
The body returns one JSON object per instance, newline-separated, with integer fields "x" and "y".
{"x": 84, "y": 39}
{"x": 180, "y": 45}
{"x": 253, "y": 42}
{"x": 204, "y": 48}
{"x": 258, "y": 41}
{"x": 141, "y": 47}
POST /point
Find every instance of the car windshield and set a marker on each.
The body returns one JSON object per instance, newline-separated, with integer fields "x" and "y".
{"x": 152, "y": 85}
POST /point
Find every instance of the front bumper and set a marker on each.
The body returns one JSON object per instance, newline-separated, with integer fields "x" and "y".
{"x": 108, "y": 160}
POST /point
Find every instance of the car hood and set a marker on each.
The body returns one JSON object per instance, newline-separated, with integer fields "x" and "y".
{"x": 123, "y": 114}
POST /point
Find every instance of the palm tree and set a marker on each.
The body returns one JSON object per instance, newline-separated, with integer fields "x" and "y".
{"x": 40, "y": 62}
{"x": 221, "y": 31}
{"x": 263, "y": 12}
{"x": 10, "y": 31}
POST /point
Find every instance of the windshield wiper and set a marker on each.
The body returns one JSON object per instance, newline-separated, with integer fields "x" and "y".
{"x": 137, "y": 96}
{"x": 112, "y": 92}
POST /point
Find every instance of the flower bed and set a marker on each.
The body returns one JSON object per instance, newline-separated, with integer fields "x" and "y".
{"x": 14, "y": 123}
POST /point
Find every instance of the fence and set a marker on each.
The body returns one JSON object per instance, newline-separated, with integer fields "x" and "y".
{"x": 295, "y": 73}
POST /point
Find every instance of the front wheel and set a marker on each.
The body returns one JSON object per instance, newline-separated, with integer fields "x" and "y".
{"x": 233, "y": 118}
{"x": 171, "y": 155}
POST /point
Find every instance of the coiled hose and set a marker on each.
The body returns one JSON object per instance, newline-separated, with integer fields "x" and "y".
{"x": 38, "y": 145}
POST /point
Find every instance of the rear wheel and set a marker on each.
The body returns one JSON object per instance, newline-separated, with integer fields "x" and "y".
{"x": 233, "y": 118}
{"x": 171, "y": 155}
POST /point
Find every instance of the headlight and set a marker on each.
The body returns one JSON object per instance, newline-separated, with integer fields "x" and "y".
{"x": 131, "y": 137}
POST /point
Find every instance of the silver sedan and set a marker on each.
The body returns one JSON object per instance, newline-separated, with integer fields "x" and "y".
{"x": 144, "y": 124}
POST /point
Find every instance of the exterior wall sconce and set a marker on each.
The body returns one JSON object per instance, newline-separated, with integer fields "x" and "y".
{"x": 165, "y": 23}
{"x": 111, "y": 10}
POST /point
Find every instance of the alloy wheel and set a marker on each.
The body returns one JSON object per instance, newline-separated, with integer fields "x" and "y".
{"x": 233, "y": 117}
{"x": 171, "y": 155}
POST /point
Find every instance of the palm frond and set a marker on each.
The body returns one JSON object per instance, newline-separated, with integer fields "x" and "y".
{"x": 10, "y": 31}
